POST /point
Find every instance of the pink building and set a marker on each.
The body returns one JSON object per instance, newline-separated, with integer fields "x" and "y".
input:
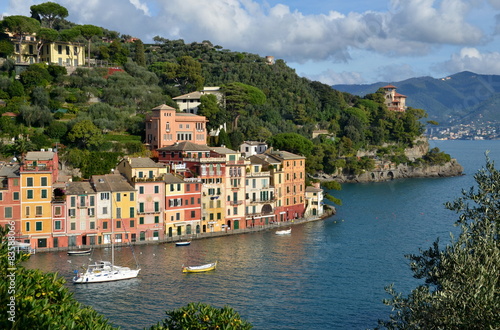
{"x": 165, "y": 127}
{"x": 10, "y": 201}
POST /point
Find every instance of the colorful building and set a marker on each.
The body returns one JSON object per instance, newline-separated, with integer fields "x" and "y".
{"x": 148, "y": 179}
{"x": 165, "y": 127}
{"x": 10, "y": 197}
{"x": 38, "y": 173}
{"x": 116, "y": 209}
{"x": 234, "y": 181}
{"x": 82, "y": 226}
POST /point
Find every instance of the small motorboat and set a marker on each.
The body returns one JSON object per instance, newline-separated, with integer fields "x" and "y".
{"x": 79, "y": 252}
{"x": 199, "y": 269}
{"x": 284, "y": 232}
{"x": 182, "y": 243}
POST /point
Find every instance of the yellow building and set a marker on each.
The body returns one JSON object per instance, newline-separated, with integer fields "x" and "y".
{"x": 30, "y": 51}
{"x": 38, "y": 173}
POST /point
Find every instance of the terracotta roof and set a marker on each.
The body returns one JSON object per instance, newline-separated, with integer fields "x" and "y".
{"x": 164, "y": 107}
{"x": 185, "y": 146}
{"x": 389, "y": 86}
{"x": 111, "y": 182}
{"x": 79, "y": 188}
{"x": 40, "y": 155}
{"x": 144, "y": 162}
{"x": 223, "y": 150}
{"x": 9, "y": 171}
{"x": 170, "y": 178}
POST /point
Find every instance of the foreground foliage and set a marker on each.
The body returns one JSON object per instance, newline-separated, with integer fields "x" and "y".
{"x": 202, "y": 316}
{"x": 41, "y": 299}
{"x": 32, "y": 299}
{"x": 462, "y": 281}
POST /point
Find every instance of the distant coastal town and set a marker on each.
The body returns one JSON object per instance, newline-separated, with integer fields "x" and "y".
{"x": 472, "y": 131}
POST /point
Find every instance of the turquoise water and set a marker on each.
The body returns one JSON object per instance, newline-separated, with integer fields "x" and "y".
{"x": 326, "y": 275}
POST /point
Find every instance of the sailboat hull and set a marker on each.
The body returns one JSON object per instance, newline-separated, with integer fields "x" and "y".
{"x": 104, "y": 272}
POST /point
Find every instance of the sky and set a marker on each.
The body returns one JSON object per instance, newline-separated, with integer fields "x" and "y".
{"x": 335, "y": 42}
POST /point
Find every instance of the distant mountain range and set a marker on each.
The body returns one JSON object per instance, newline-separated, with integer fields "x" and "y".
{"x": 462, "y": 98}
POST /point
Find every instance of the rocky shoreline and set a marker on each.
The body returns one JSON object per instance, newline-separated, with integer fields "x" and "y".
{"x": 402, "y": 171}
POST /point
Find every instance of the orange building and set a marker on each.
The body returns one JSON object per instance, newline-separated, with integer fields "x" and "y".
{"x": 38, "y": 174}
{"x": 165, "y": 127}
{"x": 289, "y": 182}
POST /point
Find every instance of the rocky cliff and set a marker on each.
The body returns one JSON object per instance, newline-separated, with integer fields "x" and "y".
{"x": 452, "y": 168}
{"x": 386, "y": 170}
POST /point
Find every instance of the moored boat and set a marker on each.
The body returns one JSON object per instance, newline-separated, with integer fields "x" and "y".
{"x": 182, "y": 243}
{"x": 284, "y": 232}
{"x": 79, "y": 252}
{"x": 199, "y": 269}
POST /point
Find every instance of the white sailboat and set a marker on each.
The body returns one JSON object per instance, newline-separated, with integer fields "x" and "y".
{"x": 105, "y": 271}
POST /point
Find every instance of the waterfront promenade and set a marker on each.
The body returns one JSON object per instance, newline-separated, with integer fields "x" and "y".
{"x": 329, "y": 211}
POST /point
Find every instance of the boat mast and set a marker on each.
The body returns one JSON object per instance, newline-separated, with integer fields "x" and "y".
{"x": 112, "y": 234}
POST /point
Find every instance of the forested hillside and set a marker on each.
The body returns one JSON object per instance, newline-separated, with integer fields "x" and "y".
{"x": 96, "y": 113}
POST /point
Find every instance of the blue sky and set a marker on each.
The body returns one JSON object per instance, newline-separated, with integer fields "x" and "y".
{"x": 335, "y": 42}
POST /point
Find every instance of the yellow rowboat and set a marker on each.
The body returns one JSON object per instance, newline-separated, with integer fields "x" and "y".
{"x": 199, "y": 269}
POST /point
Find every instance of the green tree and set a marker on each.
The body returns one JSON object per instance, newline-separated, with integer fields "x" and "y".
{"x": 88, "y": 32}
{"x": 48, "y": 13}
{"x": 292, "y": 142}
{"x": 209, "y": 107}
{"x": 85, "y": 134}
{"x": 20, "y": 26}
{"x": 202, "y": 316}
{"x": 139, "y": 56}
{"x": 44, "y": 36}
{"x": 462, "y": 281}
{"x": 238, "y": 96}
{"x": 56, "y": 129}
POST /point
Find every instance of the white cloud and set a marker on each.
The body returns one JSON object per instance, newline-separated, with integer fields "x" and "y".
{"x": 331, "y": 77}
{"x": 395, "y": 72}
{"x": 471, "y": 59}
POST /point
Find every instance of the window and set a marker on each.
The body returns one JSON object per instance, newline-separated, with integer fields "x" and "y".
{"x": 104, "y": 225}
{"x": 141, "y": 220}
{"x": 15, "y": 196}
{"x": 44, "y": 182}
{"x": 104, "y": 196}
{"x": 27, "y": 226}
{"x": 8, "y": 212}
{"x": 72, "y": 212}
{"x": 118, "y": 224}
{"x": 132, "y": 212}
{"x": 132, "y": 224}
{"x": 82, "y": 201}
{"x": 157, "y": 219}
{"x": 29, "y": 182}
{"x": 119, "y": 212}
{"x": 38, "y": 226}
{"x": 92, "y": 225}
{"x": 141, "y": 190}
{"x": 29, "y": 194}
{"x": 73, "y": 201}
{"x": 1, "y": 196}
{"x": 91, "y": 211}
{"x": 57, "y": 211}
{"x": 157, "y": 189}
{"x": 39, "y": 211}
{"x": 177, "y": 216}
{"x": 157, "y": 206}
{"x": 105, "y": 210}
{"x": 132, "y": 197}
{"x": 118, "y": 197}
{"x": 235, "y": 210}
{"x": 141, "y": 207}
{"x": 57, "y": 225}
{"x": 193, "y": 214}
{"x": 91, "y": 201}
{"x": 73, "y": 226}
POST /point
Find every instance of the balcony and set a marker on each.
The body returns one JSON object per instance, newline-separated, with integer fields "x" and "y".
{"x": 235, "y": 203}
{"x": 148, "y": 179}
